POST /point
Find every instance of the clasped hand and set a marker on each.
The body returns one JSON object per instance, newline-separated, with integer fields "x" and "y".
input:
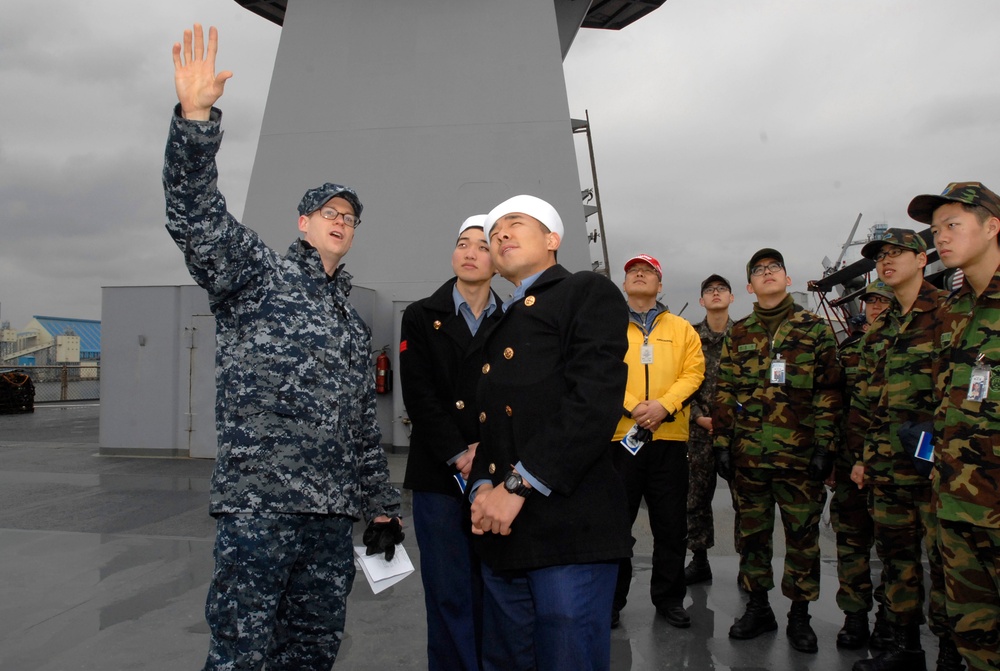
{"x": 494, "y": 510}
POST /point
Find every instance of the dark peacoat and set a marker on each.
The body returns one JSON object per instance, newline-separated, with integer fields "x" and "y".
{"x": 550, "y": 395}
{"x": 439, "y": 368}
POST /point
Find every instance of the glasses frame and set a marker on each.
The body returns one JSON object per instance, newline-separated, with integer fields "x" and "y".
{"x": 349, "y": 219}
{"x": 890, "y": 252}
{"x": 718, "y": 289}
{"x": 758, "y": 271}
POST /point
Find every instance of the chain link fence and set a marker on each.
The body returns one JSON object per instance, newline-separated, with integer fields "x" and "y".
{"x": 64, "y": 382}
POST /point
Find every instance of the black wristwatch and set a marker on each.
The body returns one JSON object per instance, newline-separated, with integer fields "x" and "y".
{"x": 514, "y": 483}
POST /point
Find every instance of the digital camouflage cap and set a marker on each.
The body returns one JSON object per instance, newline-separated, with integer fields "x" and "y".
{"x": 970, "y": 193}
{"x": 318, "y": 197}
{"x": 898, "y": 237}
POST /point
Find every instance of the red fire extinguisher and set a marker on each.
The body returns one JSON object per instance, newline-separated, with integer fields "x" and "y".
{"x": 383, "y": 373}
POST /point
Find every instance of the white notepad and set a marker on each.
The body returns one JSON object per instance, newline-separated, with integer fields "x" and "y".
{"x": 382, "y": 574}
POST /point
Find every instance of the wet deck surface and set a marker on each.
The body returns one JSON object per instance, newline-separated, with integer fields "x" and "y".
{"x": 105, "y": 563}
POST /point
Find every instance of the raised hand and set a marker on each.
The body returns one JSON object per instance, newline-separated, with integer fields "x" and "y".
{"x": 198, "y": 87}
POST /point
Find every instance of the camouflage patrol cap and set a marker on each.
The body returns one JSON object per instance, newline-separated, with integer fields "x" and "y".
{"x": 971, "y": 193}
{"x": 766, "y": 253}
{"x": 898, "y": 237}
{"x": 878, "y": 288}
{"x": 318, "y": 197}
{"x": 717, "y": 279}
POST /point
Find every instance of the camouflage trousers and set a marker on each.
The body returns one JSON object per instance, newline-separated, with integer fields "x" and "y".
{"x": 851, "y": 518}
{"x": 279, "y": 593}
{"x": 971, "y": 558}
{"x": 701, "y": 491}
{"x": 904, "y": 517}
{"x": 800, "y": 502}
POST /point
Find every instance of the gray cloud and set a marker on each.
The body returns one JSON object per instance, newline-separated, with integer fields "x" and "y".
{"x": 720, "y": 126}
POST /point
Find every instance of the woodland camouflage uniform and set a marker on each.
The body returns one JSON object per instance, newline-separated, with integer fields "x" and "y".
{"x": 701, "y": 462}
{"x": 849, "y": 508}
{"x": 967, "y": 485}
{"x": 772, "y": 432}
{"x": 967, "y": 445}
{"x": 899, "y": 356}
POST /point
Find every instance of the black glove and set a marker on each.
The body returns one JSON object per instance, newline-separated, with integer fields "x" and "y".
{"x": 909, "y": 437}
{"x": 643, "y": 435}
{"x": 724, "y": 463}
{"x": 821, "y": 464}
{"x": 383, "y": 537}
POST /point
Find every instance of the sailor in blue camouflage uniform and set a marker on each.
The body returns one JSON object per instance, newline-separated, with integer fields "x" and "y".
{"x": 299, "y": 447}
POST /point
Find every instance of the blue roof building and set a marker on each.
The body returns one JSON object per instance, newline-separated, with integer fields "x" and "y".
{"x": 38, "y": 342}
{"x": 88, "y": 330}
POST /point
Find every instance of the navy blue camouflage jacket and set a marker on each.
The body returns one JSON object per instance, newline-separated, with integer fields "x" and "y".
{"x": 295, "y": 401}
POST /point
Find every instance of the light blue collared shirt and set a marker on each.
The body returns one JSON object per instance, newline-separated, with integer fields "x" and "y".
{"x": 462, "y": 308}
{"x": 521, "y": 289}
{"x": 528, "y": 477}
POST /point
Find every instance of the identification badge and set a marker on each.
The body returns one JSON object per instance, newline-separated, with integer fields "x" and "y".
{"x": 925, "y": 450}
{"x": 777, "y": 370}
{"x": 646, "y": 354}
{"x": 631, "y": 442}
{"x": 979, "y": 383}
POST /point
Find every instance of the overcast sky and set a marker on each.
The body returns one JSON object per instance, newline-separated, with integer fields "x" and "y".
{"x": 720, "y": 126}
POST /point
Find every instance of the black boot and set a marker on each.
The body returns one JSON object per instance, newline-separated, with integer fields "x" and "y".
{"x": 698, "y": 570}
{"x": 904, "y": 655}
{"x": 948, "y": 657}
{"x": 883, "y": 637}
{"x": 757, "y": 619}
{"x": 800, "y": 635}
{"x": 854, "y": 635}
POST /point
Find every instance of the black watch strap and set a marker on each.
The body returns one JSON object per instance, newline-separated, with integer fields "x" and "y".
{"x": 514, "y": 483}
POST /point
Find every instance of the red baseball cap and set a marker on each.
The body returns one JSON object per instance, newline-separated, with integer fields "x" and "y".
{"x": 645, "y": 258}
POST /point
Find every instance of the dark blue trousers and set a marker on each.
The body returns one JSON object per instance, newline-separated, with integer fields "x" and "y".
{"x": 453, "y": 584}
{"x": 551, "y": 619}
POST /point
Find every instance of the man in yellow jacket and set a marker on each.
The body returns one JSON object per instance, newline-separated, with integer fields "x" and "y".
{"x": 665, "y": 368}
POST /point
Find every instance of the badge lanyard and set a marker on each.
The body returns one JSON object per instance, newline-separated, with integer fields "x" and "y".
{"x": 778, "y": 370}
{"x": 777, "y": 363}
{"x": 979, "y": 383}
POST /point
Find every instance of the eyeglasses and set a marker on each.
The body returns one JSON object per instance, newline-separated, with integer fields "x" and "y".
{"x": 715, "y": 289}
{"x": 331, "y": 214}
{"x": 890, "y": 251}
{"x": 757, "y": 271}
{"x": 877, "y": 300}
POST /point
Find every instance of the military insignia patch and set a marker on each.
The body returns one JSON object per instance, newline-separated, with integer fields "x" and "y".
{"x": 995, "y": 379}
